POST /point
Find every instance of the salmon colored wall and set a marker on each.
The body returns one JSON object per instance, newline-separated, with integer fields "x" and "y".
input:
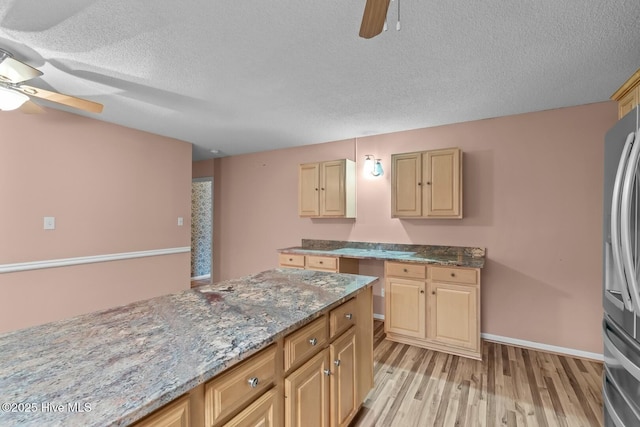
{"x": 202, "y": 169}
{"x": 532, "y": 197}
{"x": 111, "y": 189}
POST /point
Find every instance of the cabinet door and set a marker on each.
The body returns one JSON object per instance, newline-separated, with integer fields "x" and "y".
{"x": 332, "y": 188}
{"x": 406, "y": 185}
{"x": 453, "y": 315}
{"x": 343, "y": 379}
{"x": 309, "y": 189}
{"x": 442, "y": 183}
{"x": 260, "y": 413}
{"x": 306, "y": 393}
{"x": 405, "y": 307}
{"x": 175, "y": 414}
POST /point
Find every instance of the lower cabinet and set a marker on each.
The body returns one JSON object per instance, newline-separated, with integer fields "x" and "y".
{"x": 322, "y": 392}
{"x": 432, "y": 306}
{"x": 318, "y": 375}
{"x": 306, "y": 393}
{"x": 331, "y": 264}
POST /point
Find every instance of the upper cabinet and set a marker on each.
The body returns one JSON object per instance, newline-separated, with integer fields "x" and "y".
{"x": 427, "y": 184}
{"x": 327, "y": 189}
{"x": 628, "y": 96}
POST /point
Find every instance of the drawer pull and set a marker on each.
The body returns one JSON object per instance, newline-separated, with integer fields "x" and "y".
{"x": 253, "y": 382}
{"x": 313, "y": 341}
{"x": 336, "y": 362}
{"x": 321, "y": 262}
{"x": 349, "y": 316}
{"x": 290, "y": 259}
{"x": 405, "y": 270}
{"x": 453, "y": 274}
{"x": 327, "y": 372}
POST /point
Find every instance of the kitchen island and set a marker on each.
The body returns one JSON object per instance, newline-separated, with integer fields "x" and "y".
{"x": 115, "y": 367}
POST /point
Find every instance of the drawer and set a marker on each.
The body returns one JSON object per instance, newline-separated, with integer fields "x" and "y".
{"x": 398, "y": 269}
{"x": 467, "y": 276}
{"x": 322, "y": 263}
{"x": 289, "y": 260}
{"x": 231, "y": 390}
{"x": 342, "y": 318}
{"x": 305, "y": 342}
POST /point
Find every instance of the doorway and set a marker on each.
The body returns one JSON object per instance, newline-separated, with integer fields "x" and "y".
{"x": 201, "y": 227}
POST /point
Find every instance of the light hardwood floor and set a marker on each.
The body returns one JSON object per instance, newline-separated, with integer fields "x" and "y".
{"x": 512, "y": 386}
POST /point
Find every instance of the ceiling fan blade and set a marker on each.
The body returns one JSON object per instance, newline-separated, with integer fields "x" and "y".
{"x": 14, "y": 71}
{"x": 375, "y": 12}
{"x": 31, "y": 108}
{"x": 59, "y": 98}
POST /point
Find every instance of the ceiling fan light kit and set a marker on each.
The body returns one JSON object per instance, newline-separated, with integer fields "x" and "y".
{"x": 13, "y": 93}
{"x": 11, "y": 100}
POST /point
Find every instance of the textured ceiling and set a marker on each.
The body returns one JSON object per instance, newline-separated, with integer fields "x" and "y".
{"x": 253, "y": 75}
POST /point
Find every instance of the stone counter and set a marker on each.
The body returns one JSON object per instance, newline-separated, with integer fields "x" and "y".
{"x": 121, "y": 364}
{"x": 426, "y": 254}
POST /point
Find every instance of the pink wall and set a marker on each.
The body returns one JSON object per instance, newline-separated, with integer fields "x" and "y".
{"x": 532, "y": 197}
{"x": 202, "y": 169}
{"x": 111, "y": 190}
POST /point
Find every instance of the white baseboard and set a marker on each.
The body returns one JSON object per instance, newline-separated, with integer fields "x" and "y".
{"x": 205, "y": 276}
{"x": 543, "y": 347}
{"x": 532, "y": 344}
{"x": 65, "y": 262}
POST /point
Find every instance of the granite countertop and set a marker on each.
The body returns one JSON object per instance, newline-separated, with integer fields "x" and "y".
{"x": 426, "y": 254}
{"x": 121, "y": 364}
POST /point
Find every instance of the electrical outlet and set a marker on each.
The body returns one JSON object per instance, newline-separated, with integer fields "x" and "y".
{"x": 180, "y": 221}
{"x": 382, "y": 292}
{"x": 49, "y": 222}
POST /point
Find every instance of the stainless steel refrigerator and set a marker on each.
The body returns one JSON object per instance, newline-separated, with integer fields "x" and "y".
{"x": 621, "y": 252}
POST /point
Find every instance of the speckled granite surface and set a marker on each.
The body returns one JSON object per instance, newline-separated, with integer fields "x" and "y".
{"x": 446, "y": 255}
{"x": 123, "y": 363}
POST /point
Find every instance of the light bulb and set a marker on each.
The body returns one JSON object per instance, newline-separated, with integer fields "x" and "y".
{"x": 369, "y": 164}
{"x": 11, "y": 99}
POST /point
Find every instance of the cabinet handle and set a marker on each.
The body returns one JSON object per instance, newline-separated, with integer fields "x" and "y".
{"x": 316, "y": 189}
{"x": 322, "y": 188}
{"x": 428, "y": 183}
{"x": 327, "y": 372}
{"x": 433, "y": 292}
{"x": 349, "y": 316}
{"x": 253, "y": 382}
{"x": 313, "y": 341}
{"x": 422, "y": 291}
{"x": 419, "y": 183}
{"x": 336, "y": 362}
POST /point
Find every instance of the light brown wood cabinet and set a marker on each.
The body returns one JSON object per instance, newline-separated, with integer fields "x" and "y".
{"x": 319, "y": 263}
{"x": 436, "y": 307}
{"x": 427, "y": 184}
{"x": 628, "y": 95}
{"x": 327, "y": 189}
{"x": 318, "y": 375}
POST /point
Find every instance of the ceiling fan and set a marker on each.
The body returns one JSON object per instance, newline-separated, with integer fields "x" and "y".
{"x": 14, "y": 94}
{"x": 375, "y": 14}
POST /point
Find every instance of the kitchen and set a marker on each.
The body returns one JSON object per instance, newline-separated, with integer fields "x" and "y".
{"x": 541, "y": 280}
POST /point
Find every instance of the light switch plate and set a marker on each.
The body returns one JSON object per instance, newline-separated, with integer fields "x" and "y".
{"x": 49, "y": 222}
{"x": 180, "y": 221}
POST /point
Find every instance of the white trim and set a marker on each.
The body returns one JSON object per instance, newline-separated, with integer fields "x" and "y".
{"x": 543, "y": 347}
{"x": 66, "y": 262}
{"x": 204, "y": 276}
{"x": 378, "y": 316}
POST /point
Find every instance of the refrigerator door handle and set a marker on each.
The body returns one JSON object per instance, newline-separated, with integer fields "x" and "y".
{"x": 610, "y": 409}
{"x": 631, "y": 367}
{"x": 625, "y": 224}
{"x": 615, "y": 221}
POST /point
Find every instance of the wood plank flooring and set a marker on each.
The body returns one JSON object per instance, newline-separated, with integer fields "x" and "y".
{"x": 513, "y": 386}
